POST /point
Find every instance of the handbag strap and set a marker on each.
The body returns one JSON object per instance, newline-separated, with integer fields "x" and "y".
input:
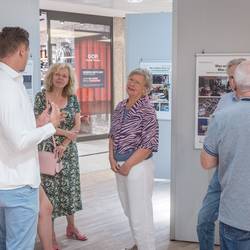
{"x": 54, "y": 143}
{"x": 48, "y": 103}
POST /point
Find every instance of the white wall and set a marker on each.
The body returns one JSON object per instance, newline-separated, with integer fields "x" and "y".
{"x": 220, "y": 26}
{"x": 25, "y": 13}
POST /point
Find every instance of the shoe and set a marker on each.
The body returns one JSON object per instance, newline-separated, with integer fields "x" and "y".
{"x": 132, "y": 248}
{"x": 56, "y": 246}
{"x": 73, "y": 233}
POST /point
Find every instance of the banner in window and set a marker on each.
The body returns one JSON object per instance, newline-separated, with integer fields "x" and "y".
{"x": 92, "y": 78}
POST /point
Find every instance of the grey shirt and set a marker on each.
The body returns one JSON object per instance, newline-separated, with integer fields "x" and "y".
{"x": 226, "y": 100}
{"x": 228, "y": 138}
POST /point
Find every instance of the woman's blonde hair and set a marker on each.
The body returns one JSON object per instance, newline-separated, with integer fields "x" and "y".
{"x": 69, "y": 89}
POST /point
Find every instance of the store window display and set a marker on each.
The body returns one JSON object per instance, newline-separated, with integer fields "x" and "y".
{"x": 86, "y": 47}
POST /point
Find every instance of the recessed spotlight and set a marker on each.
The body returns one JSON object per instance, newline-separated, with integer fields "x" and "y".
{"x": 135, "y": 1}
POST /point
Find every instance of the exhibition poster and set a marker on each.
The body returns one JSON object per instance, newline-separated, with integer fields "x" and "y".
{"x": 28, "y": 79}
{"x": 211, "y": 85}
{"x": 160, "y": 94}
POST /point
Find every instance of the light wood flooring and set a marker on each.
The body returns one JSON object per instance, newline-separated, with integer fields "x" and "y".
{"x": 104, "y": 223}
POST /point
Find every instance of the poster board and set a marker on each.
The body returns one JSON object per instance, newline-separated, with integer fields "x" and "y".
{"x": 160, "y": 94}
{"x": 211, "y": 85}
{"x": 28, "y": 79}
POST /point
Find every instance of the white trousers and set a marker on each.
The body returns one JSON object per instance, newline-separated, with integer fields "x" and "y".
{"x": 135, "y": 192}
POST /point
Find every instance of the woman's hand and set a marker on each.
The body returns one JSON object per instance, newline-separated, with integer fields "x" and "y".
{"x": 59, "y": 150}
{"x": 55, "y": 115}
{"x": 71, "y": 134}
{"x": 62, "y": 116}
{"x": 114, "y": 165}
{"x": 43, "y": 118}
{"x": 124, "y": 169}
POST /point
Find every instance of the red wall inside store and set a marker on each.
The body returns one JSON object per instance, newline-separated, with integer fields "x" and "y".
{"x": 93, "y": 100}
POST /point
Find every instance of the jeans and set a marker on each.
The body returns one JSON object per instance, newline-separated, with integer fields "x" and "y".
{"x": 208, "y": 214}
{"x": 18, "y": 218}
{"x": 233, "y": 238}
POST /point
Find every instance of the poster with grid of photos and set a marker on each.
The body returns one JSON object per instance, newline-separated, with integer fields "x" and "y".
{"x": 160, "y": 95}
{"x": 211, "y": 85}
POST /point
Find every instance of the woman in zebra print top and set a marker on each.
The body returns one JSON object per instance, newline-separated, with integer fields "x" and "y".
{"x": 133, "y": 138}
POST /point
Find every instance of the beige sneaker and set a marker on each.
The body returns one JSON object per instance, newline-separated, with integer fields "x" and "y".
{"x": 132, "y": 248}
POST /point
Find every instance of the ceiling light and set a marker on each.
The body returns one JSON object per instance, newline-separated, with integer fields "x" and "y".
{"x": 135, "y": 1}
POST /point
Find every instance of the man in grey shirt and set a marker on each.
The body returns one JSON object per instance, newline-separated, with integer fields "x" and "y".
{"x": 208, "y": 213}
{"x": 227, "y": 145}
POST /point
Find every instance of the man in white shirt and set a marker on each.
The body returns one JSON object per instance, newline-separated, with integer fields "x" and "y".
{"x": 19, "y": 167}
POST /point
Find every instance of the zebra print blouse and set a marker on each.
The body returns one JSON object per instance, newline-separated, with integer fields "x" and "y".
{"x": 135, "y": 128}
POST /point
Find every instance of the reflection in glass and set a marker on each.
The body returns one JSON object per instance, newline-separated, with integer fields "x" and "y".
{"x": 87, "y": 48}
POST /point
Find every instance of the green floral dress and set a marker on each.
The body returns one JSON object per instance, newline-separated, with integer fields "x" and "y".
{"x": 63, "y": 189}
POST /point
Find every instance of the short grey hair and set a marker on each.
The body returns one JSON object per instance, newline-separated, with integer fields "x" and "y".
{"x": 242, "y": 76}
{"x": 147, "y": 76}
{"x": 234, "y": 62}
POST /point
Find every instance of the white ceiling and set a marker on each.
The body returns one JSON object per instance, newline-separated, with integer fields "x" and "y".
{"x": 107, "y": 7}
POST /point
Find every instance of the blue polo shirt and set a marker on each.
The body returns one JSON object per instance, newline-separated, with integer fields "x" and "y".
{"x": 228, "y": 138}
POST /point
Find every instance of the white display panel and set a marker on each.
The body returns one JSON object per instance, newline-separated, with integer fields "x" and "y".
{"x": 28, "y": 79}
{"x": 211, "y": 85}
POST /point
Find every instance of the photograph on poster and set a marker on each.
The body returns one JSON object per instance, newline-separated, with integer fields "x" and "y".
{"x": 164, "y": 106}
{"x": 207, "y": 106}
{"x": 202, "y": 126}
{"x": 156, "y": 106}
{"x": 160, "y": 94}
{"x": 213, "y": 85}
{"x": 160, "y": 88}
{"x": 160, "y": 79}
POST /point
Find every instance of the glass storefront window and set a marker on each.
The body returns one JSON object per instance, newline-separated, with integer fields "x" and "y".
{"x": 44, "y": 60}
{"x": 87, "y": 47}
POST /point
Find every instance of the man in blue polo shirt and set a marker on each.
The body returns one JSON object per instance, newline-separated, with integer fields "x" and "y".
{"x": 208, "y": 213}
{"x": 227, "y": 146}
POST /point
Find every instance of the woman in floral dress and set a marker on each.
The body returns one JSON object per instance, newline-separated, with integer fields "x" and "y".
{"x": 63, "y": 189}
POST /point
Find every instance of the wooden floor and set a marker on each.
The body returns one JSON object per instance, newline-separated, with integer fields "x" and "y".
{"x": 103, "y": 221}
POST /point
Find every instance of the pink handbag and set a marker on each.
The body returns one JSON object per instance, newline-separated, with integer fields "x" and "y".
{"x": 49, "y": 162}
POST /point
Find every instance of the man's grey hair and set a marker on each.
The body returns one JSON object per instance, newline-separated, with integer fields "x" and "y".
{"x": 234, "y": 62}
{"x": 147, "y": 76}
{"x": 242, "y": 76}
